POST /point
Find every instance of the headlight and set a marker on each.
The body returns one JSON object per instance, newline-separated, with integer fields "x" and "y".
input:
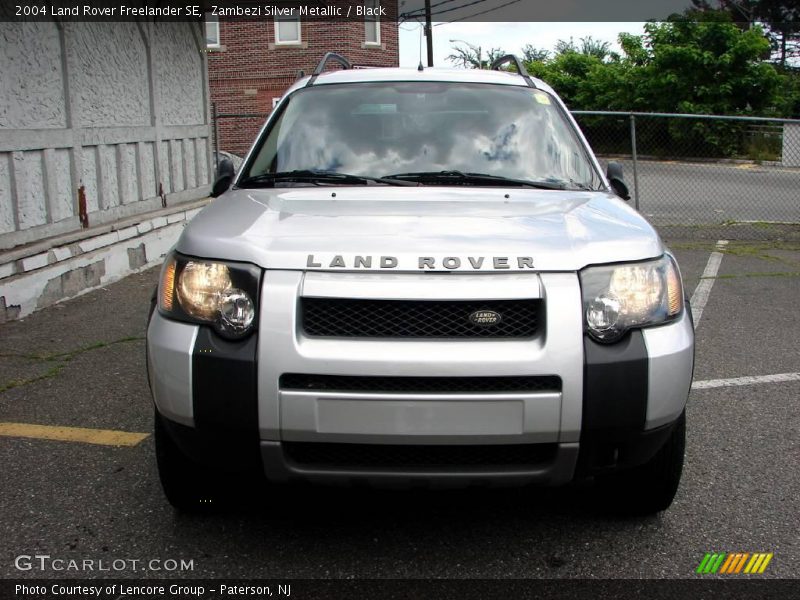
{"x": 200, "y": 285}
{"x": 221, "y": 294}
{"x": 617, "y": 298}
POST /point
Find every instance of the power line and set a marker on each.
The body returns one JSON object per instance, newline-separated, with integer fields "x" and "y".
{"x": 478, "y": 13}
{"x": 459, "y": 7}
{"x": 421, "y": 11}
{"x": 428, "y": 27}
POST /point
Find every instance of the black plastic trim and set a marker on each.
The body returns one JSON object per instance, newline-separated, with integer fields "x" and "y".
{"x": 346, "y": 64}
{"x": 605, "y": 452}
{"x": 615, "y": 393}
{"x": 224, "y": 383}
{"x": 419, "y": 385}
{"x": 512, "y": 58}
{"x": 456, "y": 458}
{"x": 223, "y": 450}
{"x": 615, "y": 384}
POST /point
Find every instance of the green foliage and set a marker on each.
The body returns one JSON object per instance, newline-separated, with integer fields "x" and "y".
{"x": 779, "y": 18}
{"x": 698, "y": 63}
{"x": 705, "y": 67}
{"x": 470, "y": 56}
{"x": 702, "y": 63}
{"x": 531, "y": 53}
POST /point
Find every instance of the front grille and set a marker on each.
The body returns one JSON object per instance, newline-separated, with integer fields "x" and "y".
{"x": 346, "y": 317}
{"x": 420, "y": 385}
{"x": 398, "y": 457}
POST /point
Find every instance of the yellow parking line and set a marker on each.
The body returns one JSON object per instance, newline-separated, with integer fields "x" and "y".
{"x": 104, "y": 437}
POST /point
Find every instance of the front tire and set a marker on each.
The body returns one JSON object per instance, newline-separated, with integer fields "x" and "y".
{"x": 649, "y": 488}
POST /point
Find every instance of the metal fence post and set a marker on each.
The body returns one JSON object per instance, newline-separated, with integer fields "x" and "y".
{"x": 216, "y": 136}
{"x": 635, "y": 163}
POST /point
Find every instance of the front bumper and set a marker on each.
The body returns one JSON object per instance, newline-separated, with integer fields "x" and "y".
{"x": 614, "y": 405}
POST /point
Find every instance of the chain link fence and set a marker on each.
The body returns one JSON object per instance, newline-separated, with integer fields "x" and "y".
{"x": 692, "y": 176}
{"x": 705, "y": 177}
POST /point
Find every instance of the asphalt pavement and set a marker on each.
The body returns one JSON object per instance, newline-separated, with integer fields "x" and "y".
{"x": 749, "y": 200}
{"x": 81, "y": 364}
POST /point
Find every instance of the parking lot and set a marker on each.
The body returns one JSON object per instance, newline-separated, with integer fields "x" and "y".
{"x": 80, "y": 364}
{"x": 710, "y": 200}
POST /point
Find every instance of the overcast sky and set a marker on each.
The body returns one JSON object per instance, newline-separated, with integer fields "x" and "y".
{"x": 511, "y": 37}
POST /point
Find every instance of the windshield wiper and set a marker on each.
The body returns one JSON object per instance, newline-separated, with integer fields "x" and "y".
{"x": 316, "y": 176}
{"x": 476, "y": 178}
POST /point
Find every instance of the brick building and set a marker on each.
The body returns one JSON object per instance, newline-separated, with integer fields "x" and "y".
{"x": 252, "y": 62}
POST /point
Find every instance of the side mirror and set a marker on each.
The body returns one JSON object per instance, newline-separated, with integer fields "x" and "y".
{"x": 614, "y": 175}
{"x": 224, "y": 178}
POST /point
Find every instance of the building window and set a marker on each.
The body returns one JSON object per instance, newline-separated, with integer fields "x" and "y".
{"x": 287, "y": 30}
{"x": 372, "y": 24}
{"x": 212, "y": 31}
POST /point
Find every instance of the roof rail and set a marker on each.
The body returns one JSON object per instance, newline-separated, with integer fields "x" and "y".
{"x": 324, "y": 62}
{"x": 509, "y": 58}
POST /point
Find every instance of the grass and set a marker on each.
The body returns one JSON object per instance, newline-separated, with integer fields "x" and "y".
{"x": 59, "y": 360}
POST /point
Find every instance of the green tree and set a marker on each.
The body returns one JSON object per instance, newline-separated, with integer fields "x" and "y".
{"x": 701, "y": 63}
{"x": 469, "y": 56}
{"x": 708, "y": 66}
{"x": 533, "y": 54}
{"x": 585, "y": 75}
{"x": 599, "y": 49}
{"x": 779, "y": 18}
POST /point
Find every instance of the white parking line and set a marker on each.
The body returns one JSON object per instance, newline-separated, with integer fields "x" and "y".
{"x": 703, "y": 289}
{"x": 750, "y": 380}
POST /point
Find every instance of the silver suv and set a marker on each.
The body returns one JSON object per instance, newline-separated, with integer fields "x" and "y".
{"x": 420, "y": 277}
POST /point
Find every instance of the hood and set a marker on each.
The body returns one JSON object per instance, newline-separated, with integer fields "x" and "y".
{"x": 394, "y": 228}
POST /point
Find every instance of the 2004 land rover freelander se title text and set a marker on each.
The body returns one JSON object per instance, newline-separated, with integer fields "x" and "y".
{"x": 420, "y": 277}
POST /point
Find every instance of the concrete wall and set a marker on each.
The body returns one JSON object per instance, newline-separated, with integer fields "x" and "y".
{"x": 117, "y": 109}
{"x": 66, "y": 266}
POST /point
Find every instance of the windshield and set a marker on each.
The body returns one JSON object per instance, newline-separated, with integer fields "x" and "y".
{"x": 430, "y": 133}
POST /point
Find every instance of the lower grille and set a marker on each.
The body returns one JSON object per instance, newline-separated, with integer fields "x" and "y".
{"x": 398, "y": 457}
{"x": 419, "y": 385}
{"x": 347, "y": 317}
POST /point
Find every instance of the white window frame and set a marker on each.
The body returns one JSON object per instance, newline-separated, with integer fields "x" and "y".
{"x": 211, "y": 20}
{"x": 368, "y": 21}
{"x": 279, "y": 41}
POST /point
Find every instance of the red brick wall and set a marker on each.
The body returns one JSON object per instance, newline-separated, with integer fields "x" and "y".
{"x": 249, "y": 70}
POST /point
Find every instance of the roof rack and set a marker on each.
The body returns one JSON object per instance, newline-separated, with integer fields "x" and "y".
{"x": 346, "y": 64}
{"x": 512, "y": 58}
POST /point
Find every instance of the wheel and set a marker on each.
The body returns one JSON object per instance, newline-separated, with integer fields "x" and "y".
{"x": 188, "y": 486}
{"x": 651, "y": 487}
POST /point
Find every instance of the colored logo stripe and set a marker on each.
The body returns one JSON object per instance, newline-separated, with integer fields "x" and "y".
{"x": 734, "y": 563}
{"x": 711, "y": 562}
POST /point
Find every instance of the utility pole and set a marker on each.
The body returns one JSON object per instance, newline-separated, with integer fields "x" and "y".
{"x": 429, "y": 32}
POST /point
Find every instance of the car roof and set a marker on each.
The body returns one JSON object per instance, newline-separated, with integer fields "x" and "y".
{"x": 375, "y": 75}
